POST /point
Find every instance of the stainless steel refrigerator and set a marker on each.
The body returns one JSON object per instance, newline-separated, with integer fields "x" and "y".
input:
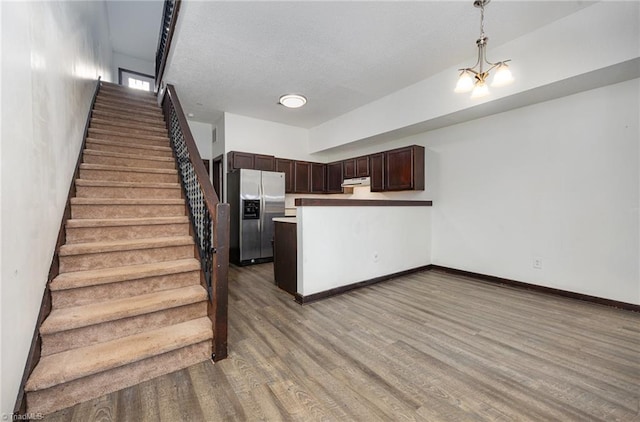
{"x": 255, "y": 198}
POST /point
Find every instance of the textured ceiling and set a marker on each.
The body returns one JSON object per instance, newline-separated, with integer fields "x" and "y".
{"x": 135, "y": 26}
{"x": 240, "y": 57}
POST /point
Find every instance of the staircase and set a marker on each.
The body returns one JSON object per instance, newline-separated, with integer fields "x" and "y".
{"x": 127, "y": 305}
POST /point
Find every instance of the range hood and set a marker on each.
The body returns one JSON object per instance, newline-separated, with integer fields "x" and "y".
{"x": 358, "y": 181}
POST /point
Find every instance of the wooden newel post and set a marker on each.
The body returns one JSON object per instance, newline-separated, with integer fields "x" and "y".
{"x": 219, "y": 305}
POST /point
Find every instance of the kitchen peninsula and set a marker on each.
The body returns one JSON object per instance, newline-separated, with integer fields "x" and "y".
{"x": 335, "y": 245}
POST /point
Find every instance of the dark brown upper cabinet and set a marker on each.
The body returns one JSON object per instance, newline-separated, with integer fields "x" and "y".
{"x": 286, "y": 166}
{"x": 264, "y": 162}
{"x": 376, "y": 162}
{"x": 302, "y": 177}
{"x": 404, "y": 169}
{"x": 246, "y": 160}
{"x": 318, "y": 178}
{"x": 349, "y": 168}
{"x": 362, "y": 166}
{"x": 240, "y": 160}
{"x": 334, "y": 177}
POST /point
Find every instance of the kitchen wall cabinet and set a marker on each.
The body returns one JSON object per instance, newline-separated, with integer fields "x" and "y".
{"x": 349, "y": 168}
{"x": 376, "y": 167}
{"x": 404, "y": 169}
{"x": 239, "y": 160}
{"x": 302, "y": 177}
{"x": 286, "y": 166}
{"x": 334, "y": 177}
{"x": 264, "y": 162}
{"x": 318, "y": 178}
{"x": 246, "y": 160}
{"x": 362, "y": 166}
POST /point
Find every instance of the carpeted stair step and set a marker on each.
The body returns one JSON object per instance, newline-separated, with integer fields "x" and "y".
{"x": 94, "y": 286}
{"x": 130, "y": 95}
{"x": 125, "y": 90}
{"x": 143, "y": 128}
{"x": 147, "y": 113}
{"x": 107, "y": 189}
{"x": 126, "y": 104}
{"x": 108, "y": 254}
{"x": 127, "y": 117}
{"x": 132, "y": 138}
{"x": 127, "y": 160}
{"x": 94, "y": 230}
{"x": 129, "y": 148}
{"x": 127, "y": 174}
{"x": 67, "y": 378}
{"x": 83, "y": 325}
{"x": 126, "y": 208}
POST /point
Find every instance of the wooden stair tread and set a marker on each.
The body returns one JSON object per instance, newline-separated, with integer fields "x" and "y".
{"x": 126, "y": 201}
{"x": 116, "y": 222}
{"x": 123, "y": 245}
{"x": 78, "y": 363}
{"x": 79, "y": 279}
{"x": 112, "y": 184}
{"x": 125, "y": 155}
{"x": 96, "y": 313}
{"x": 128, "y": 145}
{"x": 89, "y": 166}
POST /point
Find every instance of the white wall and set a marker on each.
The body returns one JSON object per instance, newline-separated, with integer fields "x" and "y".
{"x": 203, "y": 135}
{"x": 558, "y": 181}
{"x": 52, "y": 53}
{"x": 265, "y": 137}
{"x": 132, "y": 63}
{"x": 338, "y": 246}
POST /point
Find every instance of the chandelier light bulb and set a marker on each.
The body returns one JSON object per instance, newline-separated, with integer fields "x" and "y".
{"x": 480, "y": 90}
{"x": 503, "y": 76}
{"x": 465, "y": 82}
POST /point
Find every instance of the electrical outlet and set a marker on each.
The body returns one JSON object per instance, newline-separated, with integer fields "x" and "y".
{"x": 537, "y": 263}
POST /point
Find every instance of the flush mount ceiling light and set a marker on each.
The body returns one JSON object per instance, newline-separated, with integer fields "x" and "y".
{"x": 292, "y": 100}
{"x": 474, "y": 78}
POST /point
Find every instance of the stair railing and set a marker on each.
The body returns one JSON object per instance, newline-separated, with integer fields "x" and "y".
{"x": 209, "y": 218}
{"x": 169, "y": 19}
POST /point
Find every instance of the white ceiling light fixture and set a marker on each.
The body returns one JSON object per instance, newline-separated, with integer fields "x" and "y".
{"x": 292, "y": 100}
{"x": 474, "y": 78}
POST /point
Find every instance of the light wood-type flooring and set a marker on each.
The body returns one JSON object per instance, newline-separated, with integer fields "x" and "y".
{"x": 429, "y": 346}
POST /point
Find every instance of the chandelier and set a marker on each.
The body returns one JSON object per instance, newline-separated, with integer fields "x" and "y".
{"x": 474, "y": 78}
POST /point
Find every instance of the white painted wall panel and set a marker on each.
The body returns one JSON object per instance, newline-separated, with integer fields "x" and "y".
{"x": 338, "y": 246}
{"x": 52, "y": 53}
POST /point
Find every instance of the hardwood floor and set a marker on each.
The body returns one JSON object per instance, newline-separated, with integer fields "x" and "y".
{"x": 430, "y": 347}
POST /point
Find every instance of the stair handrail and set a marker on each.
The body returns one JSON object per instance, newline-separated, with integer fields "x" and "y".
{"x": 168, "y": 24}
{"x": 209, "y": 217}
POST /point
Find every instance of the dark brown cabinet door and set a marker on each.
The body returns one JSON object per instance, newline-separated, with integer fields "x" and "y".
{"x": 334, "y": 177}
{"x": 349, "y": 168}
{"x": 362, "y": 166}
{"x": 302, "y": 177}
{"x": 264, "y": 162}
{"x": 286, "y": 166}
{"x": 404, "y": 168}
{"x": 318, "y": 178}
{"x": 240, "y": 160}
{"x": 377, "y": 171}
